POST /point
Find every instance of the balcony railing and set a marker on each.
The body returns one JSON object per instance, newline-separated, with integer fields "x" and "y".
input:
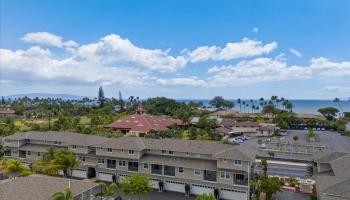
{"x": 111, "y": 164}
{"x": 133, "y": 166}
{"x": 169, "y": 170}
{"x": 209, "y": 175}
{"x": 156, "y": 169}
{"x": 240, "y": 179}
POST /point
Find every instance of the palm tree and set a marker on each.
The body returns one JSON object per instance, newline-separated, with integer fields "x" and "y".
{"x": 14, "y": 167}
{"x": 107, "y": 190}
{"x": 240, "y": 104}
{"x": 270, "y": 186}
{"x": 243, "y": 106}
{"x": 67, "y": 194}
{"x": 337, "y": 101}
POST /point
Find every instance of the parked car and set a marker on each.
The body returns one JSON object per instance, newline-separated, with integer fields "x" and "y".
{"x": 263, "y": 146}
{"x": 268, "y": 140}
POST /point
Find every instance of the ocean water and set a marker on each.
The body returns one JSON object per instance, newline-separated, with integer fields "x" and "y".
{"x": 300, "y": 106}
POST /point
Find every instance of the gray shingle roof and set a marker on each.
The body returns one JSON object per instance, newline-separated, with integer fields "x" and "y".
{"x": 67, "y": 137}
{"x": 336, "y": 181}
{"x": 38, "y": 187}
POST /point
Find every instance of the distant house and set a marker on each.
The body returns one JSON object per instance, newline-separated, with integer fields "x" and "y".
{"x": 41, "y": 187}
{"x": 7, "y": 112}
{"x": 248, "y": 128}
{"x": 138, "y": 124}
{"x": 332, "y": 175}
{"x": 308, "y": 116}
{"x": 231, "y": 114}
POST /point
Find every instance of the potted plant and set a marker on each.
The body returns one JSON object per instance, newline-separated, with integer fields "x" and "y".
{"x": 161, "y": 185}
{"x": 187, "y": 189}
{"x": 216, "y": 193}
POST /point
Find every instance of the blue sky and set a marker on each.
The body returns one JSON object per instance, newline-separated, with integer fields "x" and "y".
{"x": 178, "y": 49}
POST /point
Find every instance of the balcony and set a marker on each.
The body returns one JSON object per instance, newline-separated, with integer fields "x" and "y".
{"x": 240, "y": 179}
{"x": 209, "y": 175}
{"x": 22, "y": 154}
{"x": 169, "y": 170}
{"x": 133, "y": 166}
{"x": 156, "y": 169}
{"x": 111, "y": 164}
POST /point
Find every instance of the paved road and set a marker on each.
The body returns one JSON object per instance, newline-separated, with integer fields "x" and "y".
{"x": 284, "y": 170}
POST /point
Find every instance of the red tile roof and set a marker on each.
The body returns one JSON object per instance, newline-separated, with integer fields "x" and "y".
{"x": 7, "y": 112}
{"x": 144, "y": 123}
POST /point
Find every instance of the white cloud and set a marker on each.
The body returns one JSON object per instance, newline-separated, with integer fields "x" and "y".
{"x": 324, "y": 67}
{"x": 256, "y": 70}
{"x": 112, "y": 48}
{"x": 296, "y": 52}
{"x": 47, "y": 39}
{"x": 336, "y": 89}
{"x": 188, "y": 81}
{"x": 243, "y": 49}
{"x": 255, "y": 29}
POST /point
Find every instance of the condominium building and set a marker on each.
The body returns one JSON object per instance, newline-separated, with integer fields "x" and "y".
{"x": 204, "y": 165}
{"x": 332, "y": 175}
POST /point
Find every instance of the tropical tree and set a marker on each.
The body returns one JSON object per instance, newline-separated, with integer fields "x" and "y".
{"x": 240, "y": 104}
{"x": 205, "y": 196}
{"x": 136, "y": 184}
{"x": 107, "y": 190}
{"x": 101, "y": 97}
{"x": 14, "y": 168}
{"x": 220, "y": 102}
{"x": 270, "y": 186}
{"x": 295, "y": 138}
{"x": 67, "y": 194}
{"x": 264, "y": 165}
{"x": 337, "y": 101}
{"x": 328, "y": 112}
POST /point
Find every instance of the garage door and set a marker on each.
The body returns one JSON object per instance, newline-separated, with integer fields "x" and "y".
{"x": 79, "y": 173}
{"x": 174, "y": 186}
{"x": 104, "y": 177}
{"x": 200, "y": 189}
{"x": 232, "y": 194}
{"x": 154, "y": 184}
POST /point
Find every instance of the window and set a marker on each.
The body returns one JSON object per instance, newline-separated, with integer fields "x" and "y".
{"x": 238, "y": 162}
{"x": 121, "y": 162}
{"x": 39, "y": 154}
{"x": 82, "y": 158}
{"x": 187, "y": 154}
{"x": 181, "y": 170}
{"x": 109, "y": 150}
{"x": 145, "y": 165}
{"x": 74, "y": 146}
{"x": 224, "y": 160}
{"x": 28, "y": 153}
{"x": 197, "y": 172}
{"x": 111, "y": 164}
{"x": 156, "y": 169}
{"x": 171, "y": 152}
{"x": 101, "y": 160}
{"x": 169, "y": 170}
{"x": 163, "y": 151}
{"x": 131, "y": 152}
{"x": 225, "y": 175}
{"x": 133, "y": 166}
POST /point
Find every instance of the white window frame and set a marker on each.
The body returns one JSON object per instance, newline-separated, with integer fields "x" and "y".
{"x": 39, "y": 154}
{"x": 171, "y": 152}
{"x": 225, "y": 175}
{"x": 164, "y": 151}
{"x": 196, "y": 170}
{"x": 180, "y": 171}
{"x": 101, "y": 160}
{"x": 28, "y": 153}
{"x": 145, "y": 166}
{"x": 109, "y": 150}
{"x": 234, "y": 163}
{"x": 131, "y": 152}
{"x": 74, "y": 146}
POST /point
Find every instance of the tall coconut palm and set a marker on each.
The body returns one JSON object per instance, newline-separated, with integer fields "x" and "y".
{"x": 240, "y": 104}
{"x": 243, "y": 106}
{"x": 67, "y": 194}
